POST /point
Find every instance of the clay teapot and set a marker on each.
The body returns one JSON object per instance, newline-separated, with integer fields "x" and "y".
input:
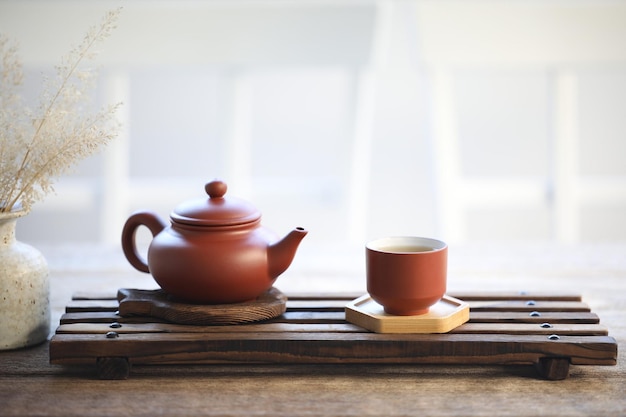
{"x": 214, "y": 251}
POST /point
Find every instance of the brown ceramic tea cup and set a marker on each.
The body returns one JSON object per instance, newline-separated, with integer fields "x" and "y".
{"x": 406, "y": 274}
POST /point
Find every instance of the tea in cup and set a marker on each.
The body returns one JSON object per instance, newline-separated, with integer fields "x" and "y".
{"x": 406, "y": 274}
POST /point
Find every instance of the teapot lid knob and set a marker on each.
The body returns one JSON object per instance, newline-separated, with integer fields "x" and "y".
{"x": 216, "y": 188}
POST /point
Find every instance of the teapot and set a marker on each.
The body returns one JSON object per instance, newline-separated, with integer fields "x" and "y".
{"x": 214, "y": 251}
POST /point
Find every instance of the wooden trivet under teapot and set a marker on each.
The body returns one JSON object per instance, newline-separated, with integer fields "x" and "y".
{"x": 158, "y": 304}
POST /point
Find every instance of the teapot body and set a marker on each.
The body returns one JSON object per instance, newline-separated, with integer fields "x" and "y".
{"x": 212, "y": 267}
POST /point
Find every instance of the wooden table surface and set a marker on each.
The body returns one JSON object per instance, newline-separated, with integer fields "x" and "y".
{"x": 29, "y": 385}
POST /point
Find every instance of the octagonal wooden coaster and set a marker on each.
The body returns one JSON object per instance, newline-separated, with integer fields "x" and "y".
{"x": 446, "y": 315}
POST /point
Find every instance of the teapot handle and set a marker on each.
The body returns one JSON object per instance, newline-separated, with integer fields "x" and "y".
{"x": 144, "y": 218}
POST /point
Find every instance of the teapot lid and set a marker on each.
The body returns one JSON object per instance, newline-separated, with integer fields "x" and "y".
{"x": 216, "y": 210}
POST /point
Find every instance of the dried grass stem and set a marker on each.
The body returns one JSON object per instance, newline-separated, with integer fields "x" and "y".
{"x": 37, "y": 147}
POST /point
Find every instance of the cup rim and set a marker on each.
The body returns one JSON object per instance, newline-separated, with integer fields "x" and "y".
{"x": 378, "y": 245}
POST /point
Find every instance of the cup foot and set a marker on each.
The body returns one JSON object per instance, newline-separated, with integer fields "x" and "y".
{"x": 401, "y": 312}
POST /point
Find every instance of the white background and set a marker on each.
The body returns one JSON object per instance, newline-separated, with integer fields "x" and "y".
{"x": 460, "y": 120}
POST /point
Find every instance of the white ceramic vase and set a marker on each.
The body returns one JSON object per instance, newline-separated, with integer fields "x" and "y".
{"x": 24, "y": 289}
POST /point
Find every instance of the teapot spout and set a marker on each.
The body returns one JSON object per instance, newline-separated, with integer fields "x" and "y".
{"x": 281, "y": 254}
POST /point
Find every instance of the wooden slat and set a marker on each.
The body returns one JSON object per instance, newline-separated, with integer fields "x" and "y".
{"x": 483, "y": 328}
{"x": 526, "y": 317}
{"x": 93, "y": 295}
{"x": 294, "y": 347}
{"x": 91, "y": 305}
{"x": 77, "y": 305}
{"x": 288, "y": 317}
{"x": 485, "y": 304}
{"x": 339, "y": 305}
{"x": 521, "y": 305}
{"x": 519, "y": 295}
{"x": 531, "y": 328}
{"x": 317, "y": 305}
{"x": 104, "y": 317}
{"x": 311, "y": 317}
{"x": 339, "y": 317}
{"x": 103, "y": 328}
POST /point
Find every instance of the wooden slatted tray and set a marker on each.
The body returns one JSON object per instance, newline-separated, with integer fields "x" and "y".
{"x": 549, "y": 331}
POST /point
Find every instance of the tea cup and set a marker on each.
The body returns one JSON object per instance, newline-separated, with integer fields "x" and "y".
{"x": 406, "y": 274}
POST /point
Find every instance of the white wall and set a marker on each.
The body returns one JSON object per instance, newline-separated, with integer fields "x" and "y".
{"x": 354, "y": 119}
